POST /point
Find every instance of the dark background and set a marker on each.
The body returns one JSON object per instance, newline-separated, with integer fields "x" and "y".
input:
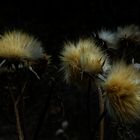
{"x": 54, "y": 22}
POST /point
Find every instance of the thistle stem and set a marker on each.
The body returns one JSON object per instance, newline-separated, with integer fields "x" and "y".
{"x": 42, "y": 116}
{"x": 46, "y": 107}
{"x": 88, "y": 109}
{"x": 101, "y": 111}
{"x": 18, "y": 123}
{"x": 97, "y": 124}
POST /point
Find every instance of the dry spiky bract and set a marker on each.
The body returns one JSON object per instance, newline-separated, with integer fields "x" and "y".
{"x": 122, "y": 89}
{"x": 130, "y": 33}
{"x": 82, "y": 56}
{"x": 109, "y": 37}
{"x": 20, "y": 45}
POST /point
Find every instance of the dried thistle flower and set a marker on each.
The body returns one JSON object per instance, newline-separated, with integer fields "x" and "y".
{"x": 19, "y": 50}
{"x": 122, "y": 88}
{"x": 130, "y": 33}
{"x": 83, "y": 56}
{"x": 20, "y": 45}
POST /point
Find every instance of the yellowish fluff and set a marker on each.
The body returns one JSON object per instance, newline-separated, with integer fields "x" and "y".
{"x": 70, "y": 61}
{"x": 17, "y": 44}
{"x": 122, "y": 89}
{"x": 81, "y": 56}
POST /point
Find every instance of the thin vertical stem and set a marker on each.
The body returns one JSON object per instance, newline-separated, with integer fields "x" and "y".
{"x": 22, "y": 119}
{"x": 43, "y": 115}
{"x": 18, "y": 123}
{"x": 88, "y": 108}
{"x": 101, "y": 110}
{"x": 20, "y": 106}
{"x": 46, "y": 107}
{"x": 97, "y": 124}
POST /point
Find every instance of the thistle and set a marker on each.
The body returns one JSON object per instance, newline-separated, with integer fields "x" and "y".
{"x": 129, "y": 33}
{"x": 20, "y": 45}
{"x": 20, "y": 50}
{"x": 83, "y": 56}
{"x": 122, "y": 88}
{"x": 20, "y": 53}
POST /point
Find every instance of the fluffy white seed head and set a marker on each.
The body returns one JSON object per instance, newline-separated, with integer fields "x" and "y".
{"x": 130, "y": 32}
{"x": 109, "y": 37}
{"x": 91, "y": 57}
{"x": 70, "y": 61}
{"x": 20, "y": 45}
{"x": 122, "y": 89}
{"x": 85, "y": 56}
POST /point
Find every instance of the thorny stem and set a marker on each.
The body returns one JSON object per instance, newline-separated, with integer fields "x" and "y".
{"x": 101, "y": 109}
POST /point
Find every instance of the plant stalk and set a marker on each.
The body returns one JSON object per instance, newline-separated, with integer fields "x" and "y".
{"x": 101, "y": 111}
{"x": 20, "y": 135}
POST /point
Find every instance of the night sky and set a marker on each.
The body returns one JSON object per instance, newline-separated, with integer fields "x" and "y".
{"x": 55, "y": 22}
{"x": 51, "y": 19}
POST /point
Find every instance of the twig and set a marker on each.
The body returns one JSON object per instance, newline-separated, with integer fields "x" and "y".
{"x": 21, "y": 94}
